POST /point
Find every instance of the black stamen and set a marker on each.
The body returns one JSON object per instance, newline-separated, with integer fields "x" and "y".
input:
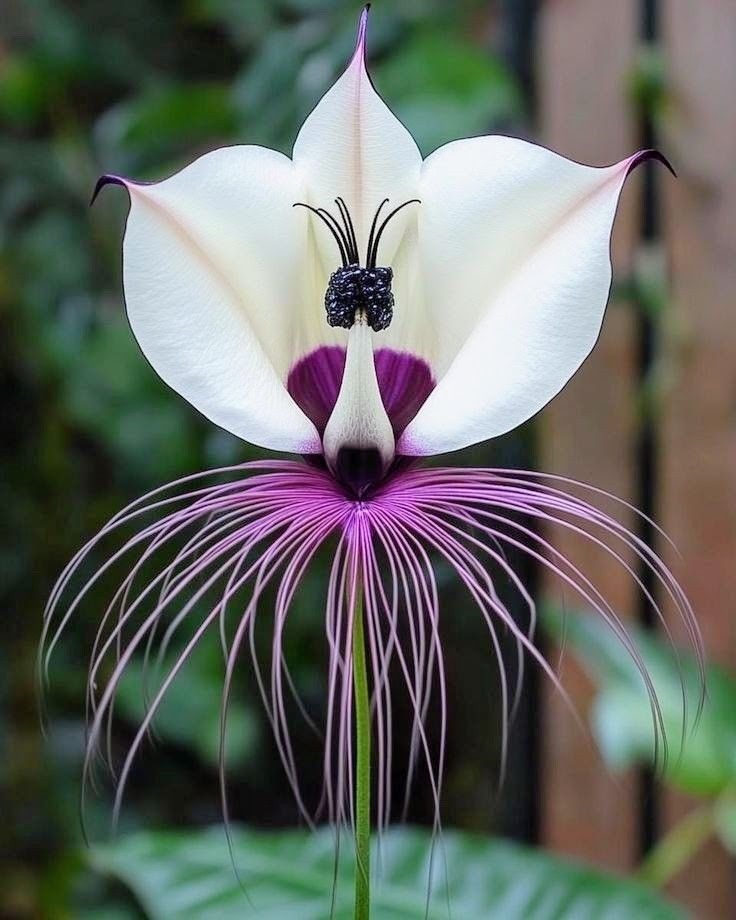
{"x": 371, "y": 260}
{"x": 337, "y": 237}
{"x": 373, "y": 230}
{"x": 326, "y": 215}
{"x": 349, "y": 227}
{"x": 355, "y": 291}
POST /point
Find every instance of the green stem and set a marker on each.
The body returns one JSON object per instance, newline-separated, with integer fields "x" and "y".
{"x": 362, "y": 765}
{"x": 678, "y": 847}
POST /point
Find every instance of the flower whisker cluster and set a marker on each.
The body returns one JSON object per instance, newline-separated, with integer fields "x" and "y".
{"x": 231, "y": 542}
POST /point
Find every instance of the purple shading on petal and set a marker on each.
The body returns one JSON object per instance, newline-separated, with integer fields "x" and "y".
{"x": 405, "y": 382}
{"x": 362, "y": 29}
{"x": 314, "y": 382}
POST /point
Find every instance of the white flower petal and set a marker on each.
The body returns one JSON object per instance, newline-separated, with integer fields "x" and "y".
{"x": 409, "y": 330}
{"x": 352, "y": 145}
{"x": 359, "y": 426}
{"x": 212, "y": 259}
{"x": 514, "y": 249}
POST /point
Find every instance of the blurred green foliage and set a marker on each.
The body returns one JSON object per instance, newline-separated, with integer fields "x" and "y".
{"x": 649, "y": 88}
{"x": 141, "y": 88}
{"x": 179, "y": 876}
{"x": 696, "y": 752}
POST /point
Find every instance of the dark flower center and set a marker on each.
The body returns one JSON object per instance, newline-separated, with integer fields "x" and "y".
{"x": 354, "y": 289}
{"x": 358, "y": 291}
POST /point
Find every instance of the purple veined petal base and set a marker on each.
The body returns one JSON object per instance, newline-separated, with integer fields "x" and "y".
{"x": 405, "y": 382}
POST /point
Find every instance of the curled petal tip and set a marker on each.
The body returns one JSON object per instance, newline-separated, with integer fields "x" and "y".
{"x": 650, "y": 154}
{"x": 361, "y": 36}
{"x": 107, "y": 179}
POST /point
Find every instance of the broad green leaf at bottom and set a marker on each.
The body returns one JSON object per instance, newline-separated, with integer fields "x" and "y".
{"x": 289, "y": 876}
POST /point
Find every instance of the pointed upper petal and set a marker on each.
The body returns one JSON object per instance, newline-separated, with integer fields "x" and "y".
{"x": 211, "y": 265}
{"x": 353, "y": 146}
{"x": 514, "y": 249}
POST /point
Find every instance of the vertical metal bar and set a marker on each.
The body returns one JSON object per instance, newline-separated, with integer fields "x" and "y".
{"x": 518, "y": 46}
{"x": 647, "y": 439}
{"x": 521, "y": 818}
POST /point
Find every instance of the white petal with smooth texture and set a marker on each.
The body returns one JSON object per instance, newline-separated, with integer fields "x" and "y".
{"x": 514, "y": 249}
{"x": 212, "y": 259}
{"x": 359, "y": 420}
{"x": 352, "y": 145}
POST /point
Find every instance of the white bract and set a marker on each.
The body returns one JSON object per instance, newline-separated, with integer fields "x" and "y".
{"x": 501, "y": 276}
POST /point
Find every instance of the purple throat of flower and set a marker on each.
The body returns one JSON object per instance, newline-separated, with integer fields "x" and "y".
{"x": 230, "y": 548}
{"x": 404, "y": 380}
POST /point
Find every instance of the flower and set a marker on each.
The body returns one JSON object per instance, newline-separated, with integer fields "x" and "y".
{"x": 362, "y": 308}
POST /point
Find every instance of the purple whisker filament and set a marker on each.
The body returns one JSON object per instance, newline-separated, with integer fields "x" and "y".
{"x": 207, "y": 556}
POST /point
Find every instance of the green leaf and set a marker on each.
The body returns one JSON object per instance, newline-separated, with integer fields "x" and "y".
{"x": 648, "y": 81}
{"x": 725, "y": 820}
{"x": 189, "y": 714}
{"x": 166, "y": 121}
{"x": 704, "y": 762}
{"x": 177, "y": 876}
{"x": 443, "y": 88}
{"x": 116, "y": 396}
{"x": 23, "y": 93}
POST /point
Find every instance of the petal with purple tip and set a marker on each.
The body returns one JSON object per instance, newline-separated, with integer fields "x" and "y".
{"x": 212, "y": 271}
{"x": 351, "y": 145}
{"x": 514, "y": 250}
